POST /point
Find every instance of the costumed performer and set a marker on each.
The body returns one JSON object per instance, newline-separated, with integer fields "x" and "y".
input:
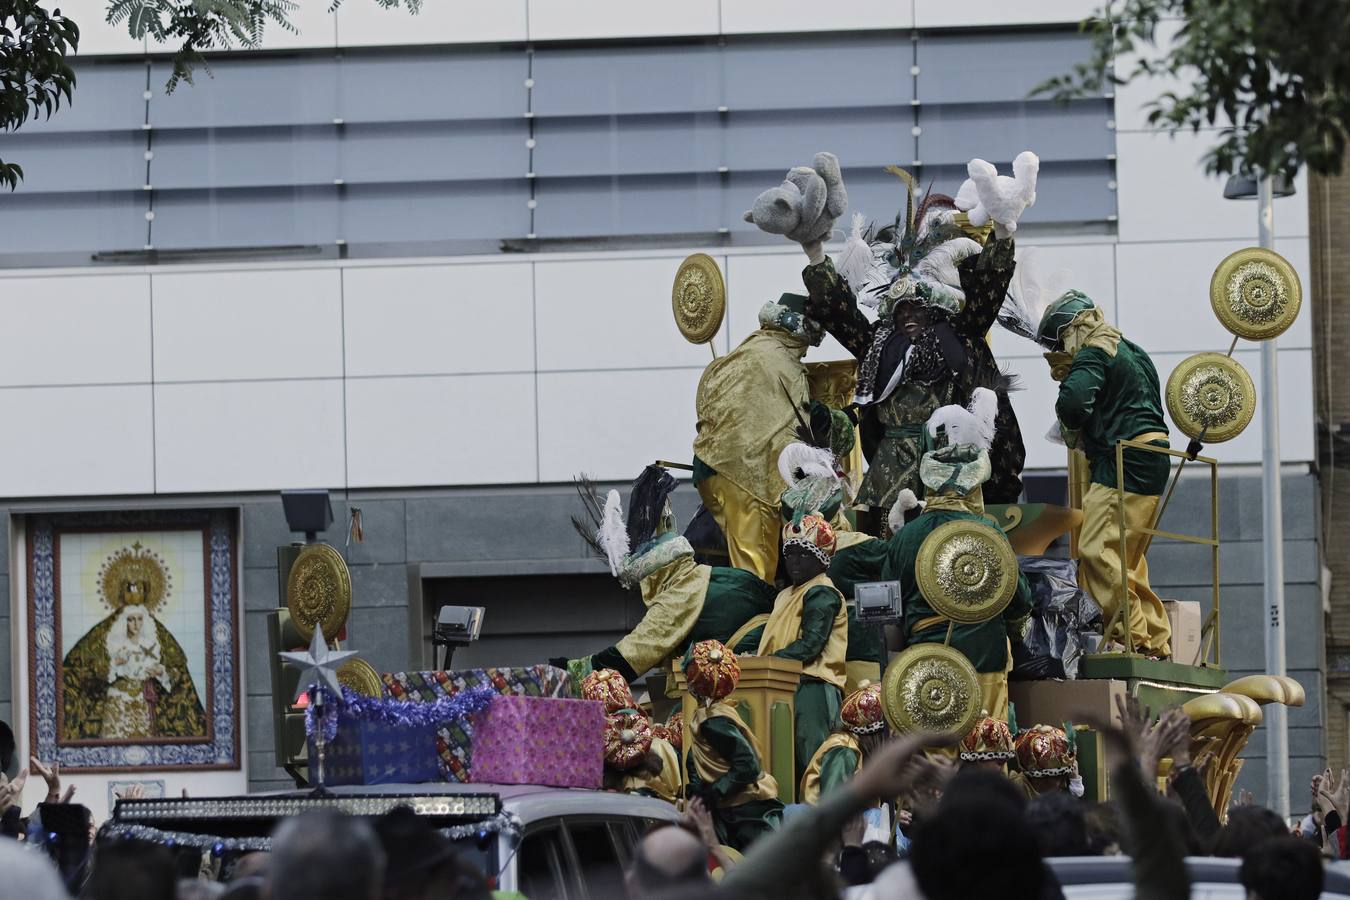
{"x": 858, "y": 557}
{"x": 809, "y": 624}
{"x": 725, "y": 763}
{"x": 954, "y": 476}
{"x": 1048, "y": 760}
{"x": 751, "y": 403}
{"x": 843, "y": 752}
{"x": 937, "y": 293}
{"x": 989, "y": 745}
{"x": 1112, "y": 394}
{"x": 686, "y": 602}
{"x": 637, "y": 761}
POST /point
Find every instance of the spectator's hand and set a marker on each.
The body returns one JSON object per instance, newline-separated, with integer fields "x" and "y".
{"x": 11, "y": 792}
{"x": 904, "y": 818}
{"x": 132, "y": 792}
{"x": 889, "y": 773}
{"x": 1176, "y": 737}
{"x": 52, "y": 775}
{"x": 1335, "y": 794}
{"x": 854, "y": 829}
{"x": 1134, "y": 721}
{"x": 698, "y": 816}
{"x": 1245, "y": 798}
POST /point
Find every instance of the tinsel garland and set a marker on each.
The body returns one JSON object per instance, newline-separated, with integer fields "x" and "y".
{"x": 504, "y": 823}
{"x": 397, "y": 712}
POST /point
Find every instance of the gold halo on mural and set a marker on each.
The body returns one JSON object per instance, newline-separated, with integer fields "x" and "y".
{"x": 1212, "y": 394}
{"x": 698, "y": 298}
{"x": 361, "y": 677}
{"x": 931, "y": 687}
{"x": 966, "y": 571}
{"x": 319, "y": 590}
{"x": 135, "y": 576}
{"x": 1256, "y": 293}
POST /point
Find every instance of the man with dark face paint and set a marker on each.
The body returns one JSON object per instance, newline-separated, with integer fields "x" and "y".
{"x": 809, "y": 624}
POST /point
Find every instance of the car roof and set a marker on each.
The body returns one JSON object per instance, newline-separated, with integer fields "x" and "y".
{"x": 536, "y": 802}
{"x": 1202, "y": 870}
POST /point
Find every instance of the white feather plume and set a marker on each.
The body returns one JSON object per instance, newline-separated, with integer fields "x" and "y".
{"x": 1031, "y": 292}
{"x": 854, "y": 262}
{"x": 940, "y": 263}
{"x": 810, "y": 460}
{"x": 613, "y": 532}
{"x": 904, "y": 502}
{"x": 968, "y": 425}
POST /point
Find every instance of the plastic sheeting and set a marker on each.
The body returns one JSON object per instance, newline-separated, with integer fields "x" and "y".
{"x": 1065, "y": 622}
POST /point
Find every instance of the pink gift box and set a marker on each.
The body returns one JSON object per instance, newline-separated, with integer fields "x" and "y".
{"x": 540, "y": 740}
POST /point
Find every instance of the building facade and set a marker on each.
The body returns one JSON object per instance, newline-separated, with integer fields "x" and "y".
{"x": 424, "y": 262}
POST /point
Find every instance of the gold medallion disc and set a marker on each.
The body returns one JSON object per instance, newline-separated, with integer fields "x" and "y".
{"x": 967, "y": 571}
{"x": 1256, "y": 293}
{"x": 931, "y": 687}
{"x": 319, "y": 591}
{"x": 361, "y": 677}
{"x": 699, "y": 298}
{"x": 1212, "y": 394}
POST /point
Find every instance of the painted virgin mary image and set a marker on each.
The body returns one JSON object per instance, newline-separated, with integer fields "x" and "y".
{"x": 127, "y": 678}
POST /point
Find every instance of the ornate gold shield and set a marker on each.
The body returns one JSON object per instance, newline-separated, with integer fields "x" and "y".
{"x": 361, "y": 677}
{"x": 1256, "y": 293}
{"x": 931, "y": 687}
{"x": 966, "y": 571}
{"x": 699, "y": 298}
{"x": 1213, "y": 394}
{"x": 319, "y": 591}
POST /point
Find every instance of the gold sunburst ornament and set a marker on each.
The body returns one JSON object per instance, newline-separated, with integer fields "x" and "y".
{"x": 966, "y": 571}
{"x": 319, "y": 591}
{"x": 1211, "y": 394}
{"x": 135, "y": 575}
{"x": 1256, "y": 293}
{"x": 699, "y": 298}
{"x": 360, "y": 676}
{"x": 931, "y": 687}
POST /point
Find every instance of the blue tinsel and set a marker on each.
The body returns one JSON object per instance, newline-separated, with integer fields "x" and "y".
{"x": 359, "y": 707}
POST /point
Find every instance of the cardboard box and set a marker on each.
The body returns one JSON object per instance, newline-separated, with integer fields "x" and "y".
{"x": 1056, "y": 702}
{"x": 1185, "y": 618}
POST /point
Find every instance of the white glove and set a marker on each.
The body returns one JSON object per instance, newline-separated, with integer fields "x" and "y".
{"x": 988, "y": 196}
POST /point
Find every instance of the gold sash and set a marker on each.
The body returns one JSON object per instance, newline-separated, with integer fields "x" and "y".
{"x": 845, "y": 539}
{"x": 810, "y": 786}
{"x": 667, "y": 784}
{"x": 971, "y": 503}
{"x": 674, "y": 597}
{"x": 785, "y": 626}
{"x": 710, "y": 766}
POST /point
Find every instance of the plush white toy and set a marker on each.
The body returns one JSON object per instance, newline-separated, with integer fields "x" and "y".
{"x": 987, "y": 196}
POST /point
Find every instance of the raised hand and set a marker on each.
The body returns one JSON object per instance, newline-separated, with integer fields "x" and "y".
{"x": 697, "y": 815}
{"x": 50, "y": 774}
{"x": 11, "y": 792}
{"x": 897, "y": 766}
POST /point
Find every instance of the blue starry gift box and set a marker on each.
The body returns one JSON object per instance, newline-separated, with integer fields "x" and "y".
{"x": 373, "y": 752}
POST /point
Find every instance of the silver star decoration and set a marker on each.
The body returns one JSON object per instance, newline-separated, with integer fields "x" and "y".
{"x": 320, "y": 665}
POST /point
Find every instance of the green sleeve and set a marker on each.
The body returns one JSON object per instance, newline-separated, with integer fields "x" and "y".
{"x": 819, "y": 608}
{"x": 1078, "y": 391}
{"x": 727, "y": 742}
{"x": 1015, "y": 616}
{"x": 838, "y": 766}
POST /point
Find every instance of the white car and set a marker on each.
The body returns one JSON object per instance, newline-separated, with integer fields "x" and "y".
{"x": 573, "y": 844}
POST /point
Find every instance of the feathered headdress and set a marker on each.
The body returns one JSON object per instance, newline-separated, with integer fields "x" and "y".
{"x": 604, "y": 529}
{"x": 914, "y": 259}
{"x": 1030, "y": 293}
{"x": 973, "y": 424}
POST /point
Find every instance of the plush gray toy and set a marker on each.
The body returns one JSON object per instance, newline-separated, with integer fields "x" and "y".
{"x": 804, "y": 207}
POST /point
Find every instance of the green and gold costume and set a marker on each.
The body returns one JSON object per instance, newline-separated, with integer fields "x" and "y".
{"x": 726, "y": 768}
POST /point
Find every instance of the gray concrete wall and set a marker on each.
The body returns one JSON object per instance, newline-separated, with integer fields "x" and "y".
{"x": 526, "y": 530}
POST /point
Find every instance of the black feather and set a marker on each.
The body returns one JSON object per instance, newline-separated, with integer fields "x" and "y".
{"x": 595, "y": 511}
{"x": 646, "y": 502}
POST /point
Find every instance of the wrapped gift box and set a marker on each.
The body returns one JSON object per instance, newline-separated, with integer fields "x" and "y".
{"x": 540, "y": 740}
{"x": 454, "y": 741}
{"x": 378, "y": 753}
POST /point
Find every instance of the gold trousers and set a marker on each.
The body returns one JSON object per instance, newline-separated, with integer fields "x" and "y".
{"x": 1099, "y": 567}
{"x": 751, "y": 526}
{"x": 994, "y": 690}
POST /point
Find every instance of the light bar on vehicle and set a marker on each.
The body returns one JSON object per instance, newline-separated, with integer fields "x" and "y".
{"x": 237, "y": 808}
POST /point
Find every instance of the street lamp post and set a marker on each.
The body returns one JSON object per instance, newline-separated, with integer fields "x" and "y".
{"x": 1272, "y": 538}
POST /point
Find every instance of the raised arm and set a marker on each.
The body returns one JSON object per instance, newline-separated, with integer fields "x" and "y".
{"x": 830, "y": 302}
{"x": 984, "y": 279}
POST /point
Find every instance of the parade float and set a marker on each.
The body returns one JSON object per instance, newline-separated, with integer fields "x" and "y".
{"x": 863, "y": 562}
